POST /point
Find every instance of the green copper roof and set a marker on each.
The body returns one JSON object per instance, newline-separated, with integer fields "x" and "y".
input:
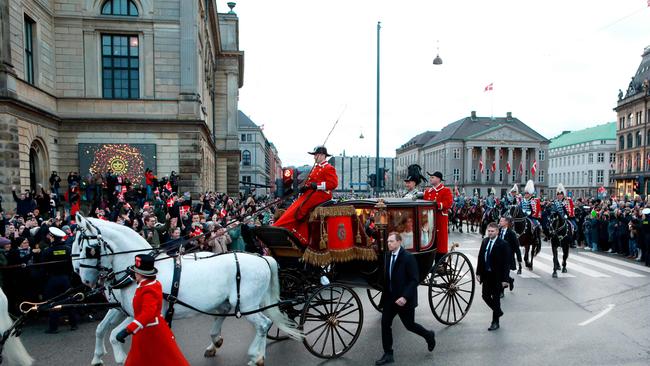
{"x": 605, "y": 131}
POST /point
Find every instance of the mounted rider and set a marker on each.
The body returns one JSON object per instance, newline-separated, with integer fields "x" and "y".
{"x": 564, "y": 206}
{"x": 413, "y": 178}
{"x": 513, "y": 197}
{"x": 490, "y": 203}
{"x": 475, "y": 199}
{"x": 531, "y": 205}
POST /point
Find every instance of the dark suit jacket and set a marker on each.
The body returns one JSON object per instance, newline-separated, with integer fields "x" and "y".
{"x": 404, "y": 280}
{"x": 513, "y": 243}
{"x": 500, "y": 258}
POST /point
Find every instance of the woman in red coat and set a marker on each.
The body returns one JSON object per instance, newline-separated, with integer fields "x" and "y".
{"x": 153, "y": 341}
{"x": 317, "y": 189}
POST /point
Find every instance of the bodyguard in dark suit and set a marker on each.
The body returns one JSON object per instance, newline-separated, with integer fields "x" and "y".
{"x": 510, "y": 237}
{"x": 400, "y": 297}
{"x": 493, "y": 271}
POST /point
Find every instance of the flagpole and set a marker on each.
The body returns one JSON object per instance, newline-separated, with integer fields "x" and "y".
{"x": 492, "y": 102}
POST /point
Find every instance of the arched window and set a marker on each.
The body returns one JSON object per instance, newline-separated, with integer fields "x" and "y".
{"x": 638, "y": 139}
{"x": 629, "y": 140}
{"x": 120, "y": 7}
{"x": 621, "y": 142}
{"x": 246, "y": 158}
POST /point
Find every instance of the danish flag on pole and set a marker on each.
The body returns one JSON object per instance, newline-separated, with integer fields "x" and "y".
{"x": 508, "y": 168}
{"x": 648, "y": 158}
{"x": 494, "y": 166}
{"x": 521, "y": 168}
{"x": 533, "y": 169}
{"x": 480, "y": 166}
{"x": 490, "y": 86}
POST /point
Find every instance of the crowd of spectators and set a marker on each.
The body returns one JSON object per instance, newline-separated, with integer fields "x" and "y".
{"x": 154, "y": 208}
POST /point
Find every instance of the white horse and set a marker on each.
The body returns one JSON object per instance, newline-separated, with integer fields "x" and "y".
{"x": 207, "y": 283}
{"x": 13, "y": 353}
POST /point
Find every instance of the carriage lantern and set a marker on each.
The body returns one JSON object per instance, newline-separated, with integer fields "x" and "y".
{"x": 381, "y": 220}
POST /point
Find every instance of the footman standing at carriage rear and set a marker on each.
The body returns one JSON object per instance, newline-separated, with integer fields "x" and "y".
{"x": 400, "y": 297}
{"x": 443, "y": 200}
{"x": 153, "y": 341}
{"x": 318, "y": 188}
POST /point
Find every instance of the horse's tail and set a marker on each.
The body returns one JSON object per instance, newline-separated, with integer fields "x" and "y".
{"x": 280, "y": 320}
{"x": 14, "y": 353}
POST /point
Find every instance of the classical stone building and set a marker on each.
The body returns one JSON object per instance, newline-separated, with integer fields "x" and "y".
{"x": 496, "y": 145}
{"x": 409, "y": 153}
{"x": 260, "y": 163}
{"x": 119, "y": 83}
{"x": 584, "y": 160}
{"x": 632, "y": 133}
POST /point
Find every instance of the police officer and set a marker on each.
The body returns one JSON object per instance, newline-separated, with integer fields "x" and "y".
{"x": 58, "y": 276}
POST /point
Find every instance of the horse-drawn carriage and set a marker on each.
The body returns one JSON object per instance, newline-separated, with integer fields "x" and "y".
{"x": 347, "y": 244}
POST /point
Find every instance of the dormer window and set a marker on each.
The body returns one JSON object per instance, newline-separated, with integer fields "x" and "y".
{"x": 120, "y": 7}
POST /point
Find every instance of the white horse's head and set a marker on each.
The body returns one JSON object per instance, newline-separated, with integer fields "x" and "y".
{"x": 97, "y": 247}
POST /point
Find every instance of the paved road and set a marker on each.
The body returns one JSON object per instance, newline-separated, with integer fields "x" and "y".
{"x": 597, "y": 314}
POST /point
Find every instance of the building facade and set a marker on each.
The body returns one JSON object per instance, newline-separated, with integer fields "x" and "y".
{"x": 128, "y": 84}
{"x": 354, "y": 173}
{"x": 410, "y": 152}
{"x": 584, "y": 160}
{"x": 260, "y": 163}
{"x": 633, "y": 136}
{"x": 478, "y": 153}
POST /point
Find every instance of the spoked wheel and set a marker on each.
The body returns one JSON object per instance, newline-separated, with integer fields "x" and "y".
{"x": 331, "y": 321}
{"x": 451, "y": 288}
{"x": 374, "y": 296}
{"x": 291, "y": 286}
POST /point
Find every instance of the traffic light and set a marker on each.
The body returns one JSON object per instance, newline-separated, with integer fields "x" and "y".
{"x": 383, "y": 176}
{"x": 372, "y": 180}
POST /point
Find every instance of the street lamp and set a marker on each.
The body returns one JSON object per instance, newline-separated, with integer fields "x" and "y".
{"x": 437, "y": 60}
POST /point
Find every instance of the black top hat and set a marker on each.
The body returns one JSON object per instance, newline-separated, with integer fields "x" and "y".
{"x": 320, "y": 150}
{"x": 414, "y": 174}
{"x": 144, "y": 265}
{"x": 436, "y": 174}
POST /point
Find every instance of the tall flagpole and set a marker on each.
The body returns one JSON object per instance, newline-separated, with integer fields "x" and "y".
{"x": 492, "y": 101}
{"x": 377, "y": 187}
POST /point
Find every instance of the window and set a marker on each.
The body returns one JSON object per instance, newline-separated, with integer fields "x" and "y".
{"x": 600, "y": 158}
{"x": 603, "y": 142}
{"x": 621, "y": 123}
{"x": 29, "y": 49}
{"x": 638, "y": 138}
{"x": 612, "y": 158}
{"x": 473, "y": 175}
{"x": 514, "y": 175}
{"x": 456, "y": 154}
{"x": 590, "y": 159}
{"x": 629, "y": 140}
{"x": 246, "y": 178}
{"x": 246, "y": 158}
{"x": 249, "y": 137}
{"x": 600, "y": 176}
{"x": 590, "y": 177}
{"x": 621, "y": 142}
{"x": 120, "y": 67}
{"x": 119, "y": 7}
{"x": 611, "y": 176}
{"x": 456, "y": 175}
{"x": 243, "y": 137}
{"x": 542, "y": 155}
{"x": 500, "y": 175}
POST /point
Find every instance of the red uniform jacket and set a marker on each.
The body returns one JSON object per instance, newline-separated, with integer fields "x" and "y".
{"x": 442, "y": 196}
{"x": 535, "y": 208}
{"x": 570, "y": 209}
{"x": 153, "y": 342}
{"x": 296, "y": 217}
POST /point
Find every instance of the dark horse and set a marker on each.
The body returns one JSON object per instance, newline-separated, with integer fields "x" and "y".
{"x": 528, "y": 238}
{"x": 457, "y": 215}
{"x": 561, "y": 233}
{"x": 474, "y": 215}
{"x": 492, "y": 215}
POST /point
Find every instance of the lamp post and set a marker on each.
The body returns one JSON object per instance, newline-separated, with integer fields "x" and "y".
{"x": 436, "y": 61}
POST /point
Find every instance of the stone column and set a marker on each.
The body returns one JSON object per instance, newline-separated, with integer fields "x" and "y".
{"x": 91, "y": 65}
{"x": 485, "y": 165}
{"x": 508, "y": 180}
{"x": 524, "y": 164}
{"x": 148, "y": 79}
{"x": 496, "y": 159}
{"x": 468, "y": 165}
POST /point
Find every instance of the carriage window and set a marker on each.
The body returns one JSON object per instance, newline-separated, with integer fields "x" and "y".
{"x": 402, "y": 222}
{"x": 427, "y": 225}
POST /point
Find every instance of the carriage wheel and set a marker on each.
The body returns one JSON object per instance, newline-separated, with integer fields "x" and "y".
{"x": 451, "y": 288}
{"x": 290, "y": 286}
{"x": 374, "y": 296}
{"x": 331, "y": 321}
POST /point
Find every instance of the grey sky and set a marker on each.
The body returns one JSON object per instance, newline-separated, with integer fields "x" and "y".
{"x": 556, "y": 64}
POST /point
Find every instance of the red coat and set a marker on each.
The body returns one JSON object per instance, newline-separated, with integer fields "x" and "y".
{"x": 536, "y": 208}
{"x": 153, "y": 342}
{"x": 442, "y": 196}
{"x": 296, "y": 218}
{"x": 570, "y": 208}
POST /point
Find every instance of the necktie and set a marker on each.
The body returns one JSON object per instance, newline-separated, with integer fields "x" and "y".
{"x": 503, "y": 233}
{"x": 392, "y": 263}
{"x": 488, "y": 249}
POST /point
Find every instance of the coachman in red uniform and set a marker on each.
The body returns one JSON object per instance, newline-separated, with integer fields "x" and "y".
{"x": 317, "y": 189}
{"x": 442, "y": 196}
{"x": 153, "y": 341}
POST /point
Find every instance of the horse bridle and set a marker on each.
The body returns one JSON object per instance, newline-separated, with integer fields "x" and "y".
{"x": 563, "y": 227}
{"x": 94, "y": 251}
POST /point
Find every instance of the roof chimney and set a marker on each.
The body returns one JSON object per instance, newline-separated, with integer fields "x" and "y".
{"x": 509, "y": 116}
{"x": 473, "y": 115}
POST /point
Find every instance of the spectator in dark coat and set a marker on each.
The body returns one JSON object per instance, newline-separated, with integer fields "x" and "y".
{"x": 24, "y": 204}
